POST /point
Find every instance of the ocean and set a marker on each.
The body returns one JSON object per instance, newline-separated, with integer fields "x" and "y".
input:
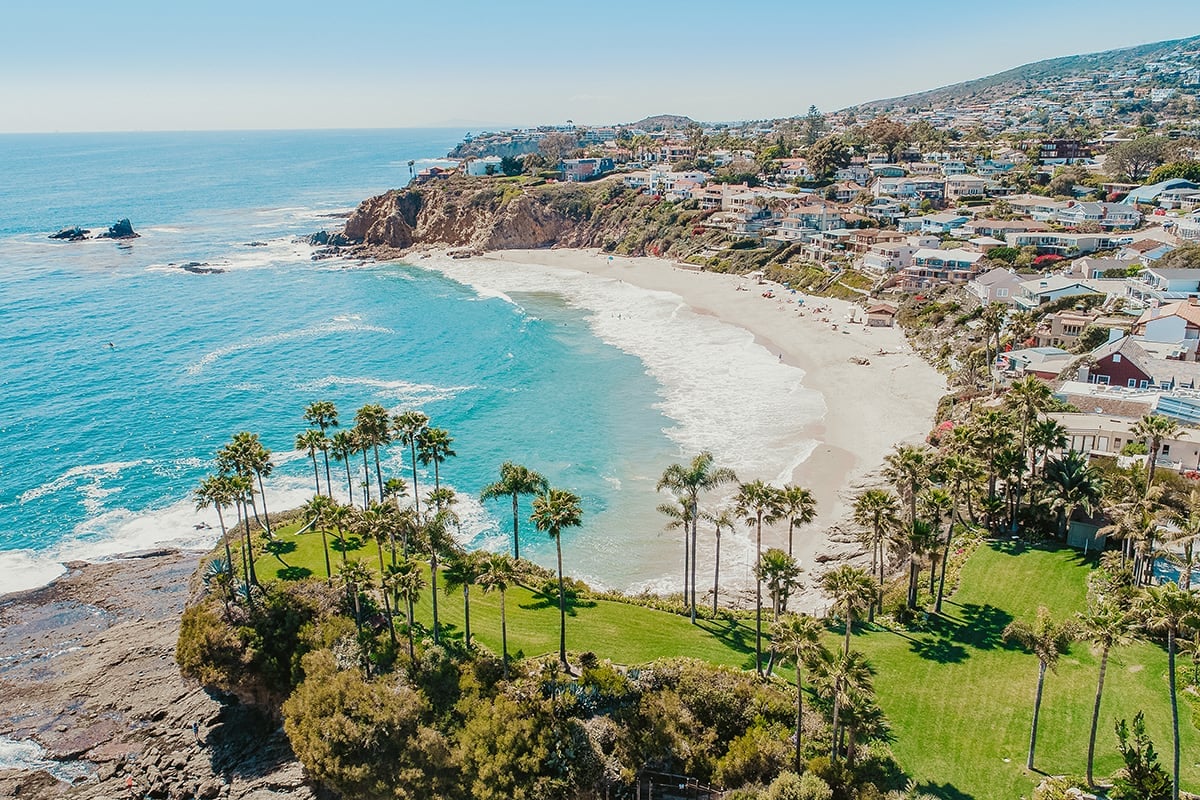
{"x": 121, "y": 373}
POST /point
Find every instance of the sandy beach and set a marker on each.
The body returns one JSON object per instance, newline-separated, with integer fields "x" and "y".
{"x": 869, "y": 407}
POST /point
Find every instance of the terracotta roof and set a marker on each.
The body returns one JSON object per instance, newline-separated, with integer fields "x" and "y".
{"x": 882, "y": 308}
{"x": 1182, "y": 309}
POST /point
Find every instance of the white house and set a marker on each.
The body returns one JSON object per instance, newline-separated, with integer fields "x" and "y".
{"x": 995, "y": 286}
{"x": 959, "y": 187}
{"x": 1109, "y": 216}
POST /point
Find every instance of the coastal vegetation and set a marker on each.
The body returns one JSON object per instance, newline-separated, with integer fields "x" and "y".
{"x": 537, "y": 686}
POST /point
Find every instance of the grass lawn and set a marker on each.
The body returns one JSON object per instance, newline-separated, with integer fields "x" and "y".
{"x": 959, "y": 698}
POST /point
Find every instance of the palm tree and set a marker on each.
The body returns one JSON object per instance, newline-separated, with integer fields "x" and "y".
{"x": 756, "y": 503}
{"x": 217, "y": 491}
{"x": 499, "y": 571}
{"x": 688, "y": 482}
{"x": 798, "y": 637}
{"x": 1155, "y": 428}
{"x": 1029, "y": 396}
{"x": 1046, "y": 435}
{"x": 310, "y": 441}
{"x": 993, "y": 323}
{"x": 435, "y": 533}
{"x": 317, "y": 511}
{"x": 1186, "y": 537}
{"x": 461, "y": 572}
{"x": 878, "y": 512}
{"x": 433, "y": 447}
{"x": 1072, "y": 483}
{"x": 993, "y": 432}
{"x": 799, "y": 508}
{"x": 908, "y": 468}
{"x": 1168, "y": 609}
{"x": 407, "y": 426}
{"x": 362, "y": 444}
{"x": 355, "y": 578}
{"x": 852, "y": 591}
{"x": 406, "y": 580}
{"x": 781, "y": 574}
{"x": 373, "y": 523}
{"x": 246, "y": 455}
{"x": 938, "y": 505}
{"x": 344, "y": 448}
{"x": 374, "y": 426}
{"x": 678, "y": 515}
{"x": 840, "y": 676}
{"x": 342, "y": 518}
{"x": 323, "y": 414}
{"x": 515, "y": 480}
{"x": 242, "y": 487}
{"x": 721, "y": 520}
{"x": 1047, "y": 640}
{"x": 1106, "y": 625}
{"x": 554, "y": 510}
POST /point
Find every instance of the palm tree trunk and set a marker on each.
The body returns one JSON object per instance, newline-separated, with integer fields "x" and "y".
{"x": 945, "y": 560}
{"x": 251, "y": 575}
{"x": 266, "y": 520}
{"x": 467, "y": 614}
{"x": 316, "y": 473}
{"x": 758, "y": 601}
{"x": 366, "y": 480}
{"x": 686, "y": 563}
{"x": 799, "y": 712}
{"x": 849, "y": 626}
{"x": 378, "y": 472}
{"x": 1037, "y": 708}
{"x": 1096, "y": 718}
{"x": 503, "y": 635}
{"x": 562, "y": 609}
{"x": 791, "y": 527}
{"x": 433, "y": 573}
{"x": 412, "y": 652}
{"x": 1174, "y": 712}
{"x": 349, "y": 480}
{"x": 412, "y": 451}
{"x": 328, "y": 479}
{"x": 516, "y": 537}
{"x": 225, "y": 539}
{"x": 695, "y": 525}
{"x": 387, "y": 609}
{"x": 717, "y": 573}
{"x": 837, "y": 690}
{"x": 914, "y": 570}
{"x": 325, "y": 548}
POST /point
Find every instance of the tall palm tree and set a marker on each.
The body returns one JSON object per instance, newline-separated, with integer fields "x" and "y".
{"x": 878, "y": 512}
{"x": 678, "y": 515}
{"x": 499, "y": 571}
{"x": 435, "y": 533}
{"x": 375, "y": 426}
{"x": 407, "y": 427}
{"x": 515, "y": 480}
{"x": 372, "y": 523}
{"x": 344, "y": 448}
{"x": 433, "y": 447}
{"x": 688, "y": 482}
{"x": 852, "y": 591}
{"x": 1168, "y": 609}
{"x": 1046, "y": 639}
{"x": 462, "y": 571}
{"x": 993, "y": 323}
{"x": 342, "y": 518}
{"x": 1046, "y": 435}
{"x": 721, "y": 520}
{"x": 355, "y": 578}
{"x": 246, "y": 455}
{"x": 317, "y": 511}
{"x": 217, "y": 491}
{"x": 362, "y": 444}
{"x": 311, "y": 441}
{"x": 781, "y": 574}
{"x": 908, "y": 468}
{"x": 839, "y": 676}
{"x": 406, "y": 580}
{"x": 1106, "y": 625}
{"x": 243, "y": 489}
{"x": 938, "y": 506}
{"x": 756, "y": 503}
{"x": 1029, "y": 396}
{"x": 1072, "y": 483}
{"x": 323, "y": 414}
{"x": 1155, "y": 428}
{"x": 799, "y": 508}
{"x": 992, "y": 433}
{"x": 1186, "y": 537}
{"x": 554, "y": 510}
{"x": 798, "y": 637}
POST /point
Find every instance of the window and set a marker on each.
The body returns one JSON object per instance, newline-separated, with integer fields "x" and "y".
{"x": 1166, "y": 449}
{"x": 1116, "y": 358}
{"x": 1143, "y": 384}
{"x": 1002, "y": 293}
{"x": 1132, "y": 382}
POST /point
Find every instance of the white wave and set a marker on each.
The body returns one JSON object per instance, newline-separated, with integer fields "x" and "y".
{"x": 26, "y": 754}
{"x": 311, "y": 332}
{"x": 724, "y": 391}
{"x": 405, "y": 393}
{"x": 89, "y": 475}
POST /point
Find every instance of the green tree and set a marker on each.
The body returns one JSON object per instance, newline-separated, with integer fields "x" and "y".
{"x": 344, "y": 448}
{"x": 1142, "y": 777}
{"x": 799, "y": 508}
{"x": 852, "y": 591}
{"x": 798, "y": 638}
{"x": 374, "y": 425}
{"x": 405, "y": 581}
{"x": 758, "y": 502}
{"x": 311, "y": 442}
{"x": 246, "y": 456}
{"x": 1154, "y": 428}
{"x": 1169, "y": 609}
{"x": 317, "y": 512}
{"x": 323, "y": 414}
{"x": 688, "y": 482}
{"x": 1106, "y": 625}
{"x": 498, "y": 571}
{"x": 1048, "y": 640}
{"x": 462, "y": 571}
{"x": 781, "y": 574}
{"x": 433, "y": 447}
{"x": 826, "y": 156}
{"x": 721, "y": 520}
{"x": 218, "y": 491}
{"x": 1134, "y": 160}
{"x": 553, "y": 511}
{"x": 838, "y": 678}
{"x": 515, "y": 480}
{"x": 877, "y": 512}
{"x": 407, "y": 427}
{"x": 1071, "y": 483}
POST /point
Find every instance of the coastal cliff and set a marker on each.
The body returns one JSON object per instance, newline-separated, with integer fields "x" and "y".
{"x": 507, "y": 214}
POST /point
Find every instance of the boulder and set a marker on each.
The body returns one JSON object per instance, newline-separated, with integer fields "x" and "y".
{"x": 75, "y": 234}
{"x": 121, "y": 229}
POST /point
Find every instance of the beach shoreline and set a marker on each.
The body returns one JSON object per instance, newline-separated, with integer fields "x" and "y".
{"x": 857, "y": 430}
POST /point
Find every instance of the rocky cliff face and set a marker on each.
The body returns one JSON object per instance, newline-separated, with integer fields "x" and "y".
{"x": 493, "y": 215}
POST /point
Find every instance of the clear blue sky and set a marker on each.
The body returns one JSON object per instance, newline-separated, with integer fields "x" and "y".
{"x": 215, "y": 64}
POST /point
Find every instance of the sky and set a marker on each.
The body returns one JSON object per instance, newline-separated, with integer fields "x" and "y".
{"x": 218, "y": 65}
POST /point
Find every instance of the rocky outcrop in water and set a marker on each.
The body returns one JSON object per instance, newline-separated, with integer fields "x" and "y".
{"x": 121, "y": 229}
{"x": 75, "y": 234}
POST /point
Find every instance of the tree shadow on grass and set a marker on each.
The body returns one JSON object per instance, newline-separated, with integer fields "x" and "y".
{"x": 279, "y": 548}
{"x": 541, "y": 602}
{"x": 980, "y": 626}
{"x": 946, "y": 791}
{"x": 293, "y": 573}
{"x": 939, "y": 649}
{"x": 735, "y": 636}
{"x": 346, "y": 545}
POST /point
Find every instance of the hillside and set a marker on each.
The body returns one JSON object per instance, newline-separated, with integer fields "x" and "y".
{"x": 1013, "y": 81}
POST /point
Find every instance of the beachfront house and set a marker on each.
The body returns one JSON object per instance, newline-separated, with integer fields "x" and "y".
{"x": 934, "y": 267}
{"x": 1043, "y": 362}
{"x": 941, "y": 223}
{"x": 1153, "y": 285}
{"x": 881, "y": 315}
{"x": 1109, "y": 216}
{"x": 995, "y": 286}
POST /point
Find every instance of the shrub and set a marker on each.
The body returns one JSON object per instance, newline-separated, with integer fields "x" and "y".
{"x": 790, "y": 786}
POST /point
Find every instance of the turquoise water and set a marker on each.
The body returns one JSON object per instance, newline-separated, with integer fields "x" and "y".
{"x": 100, "y": 446}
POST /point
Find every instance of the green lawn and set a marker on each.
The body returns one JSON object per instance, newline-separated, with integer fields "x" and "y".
{"x": 960, "y": 700}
